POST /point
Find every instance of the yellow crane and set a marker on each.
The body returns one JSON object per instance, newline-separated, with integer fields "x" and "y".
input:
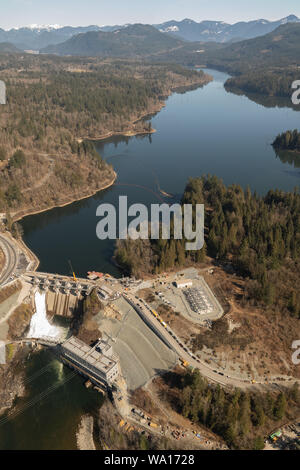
{"x": 72, "y": 270}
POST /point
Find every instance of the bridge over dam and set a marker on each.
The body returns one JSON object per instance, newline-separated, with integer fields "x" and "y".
{"x": 59, "y": 282}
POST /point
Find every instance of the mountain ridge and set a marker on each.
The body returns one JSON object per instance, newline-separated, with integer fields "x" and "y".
{"x": 219, "y": 31}
{"x": 8, "y": 48}
{"x": 132, "y": 41}
{"x": 37, "y": 37}
{"x": 276, "y": 49}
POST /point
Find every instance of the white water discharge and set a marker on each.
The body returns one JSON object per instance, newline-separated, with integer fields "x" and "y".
{"x": 39, "y": 325}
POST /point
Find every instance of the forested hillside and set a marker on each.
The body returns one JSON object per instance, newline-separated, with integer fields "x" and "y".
{"x": 54, "y": 104}
{"x": 6, "y": 47}
{"x": 260, "y": 236}
{"x": 275, "y": 83}
{"x": 132, "y": 41}
{"x": 243, "y": 419}
{"x": 278, "y": 49}
{"x": 267, "y": 65}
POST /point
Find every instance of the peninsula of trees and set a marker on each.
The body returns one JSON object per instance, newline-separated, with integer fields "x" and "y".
{"x": 275, "y": 83}
{"x": 289, "y": 140}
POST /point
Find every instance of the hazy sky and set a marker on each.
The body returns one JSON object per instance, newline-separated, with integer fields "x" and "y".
{"x": 85, "y": 12}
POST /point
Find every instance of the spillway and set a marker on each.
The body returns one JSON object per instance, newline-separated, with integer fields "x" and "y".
{"x": 40, "y": 325}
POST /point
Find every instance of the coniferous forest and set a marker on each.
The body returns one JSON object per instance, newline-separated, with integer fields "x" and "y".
{"x": 240, "y": 417}
{"x": 289, "y": 140}
{"x": 259, "y": 236}
{"x": 55, "y": 105}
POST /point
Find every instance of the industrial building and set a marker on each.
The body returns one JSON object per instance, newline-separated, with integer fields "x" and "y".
{"x": 104, "y": 347}
{"x": 183, "y": 284}
{"x": 97, "y": 363}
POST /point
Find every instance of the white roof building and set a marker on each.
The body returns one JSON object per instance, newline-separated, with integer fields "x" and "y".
{"x": 99, "y": 365}
{"x": 183, "y": 283}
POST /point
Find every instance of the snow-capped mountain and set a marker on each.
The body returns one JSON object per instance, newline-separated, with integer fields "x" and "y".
{"x": 219, "y": 31}
{"x": 191, "y": 30}
{"x": 170, "y": 29}
{"x": 289, "y": 19}
{"x": 39, "y": 27}
{"x": 38, "y": 36}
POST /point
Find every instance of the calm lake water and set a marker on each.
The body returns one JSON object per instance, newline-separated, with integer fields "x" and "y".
{"x": 203, "y": 131}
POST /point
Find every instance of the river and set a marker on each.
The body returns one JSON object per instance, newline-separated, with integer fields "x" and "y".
{"x": 202, "y": 131}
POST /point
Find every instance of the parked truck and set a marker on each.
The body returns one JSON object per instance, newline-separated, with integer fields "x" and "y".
{"x": 184, "y": 362}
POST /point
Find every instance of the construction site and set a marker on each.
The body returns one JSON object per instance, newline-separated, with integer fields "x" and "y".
{"x": 144, "y": 344}
{"x": 142, "y": 354}
{"x": 137, "y": 342}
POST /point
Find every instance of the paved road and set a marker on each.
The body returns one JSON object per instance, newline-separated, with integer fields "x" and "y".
{"x": 11, "y": 259}
{"x": 169, "y": 337}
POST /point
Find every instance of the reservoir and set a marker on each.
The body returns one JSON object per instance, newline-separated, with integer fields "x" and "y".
{"x": 207, "y": 130}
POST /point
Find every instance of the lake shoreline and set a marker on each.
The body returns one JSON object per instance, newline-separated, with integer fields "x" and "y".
{"x": 111, "y": 134}
{"x": 127, "y": 133}
{"x": 131, "y": 131}
{"x": 18, "y": 217}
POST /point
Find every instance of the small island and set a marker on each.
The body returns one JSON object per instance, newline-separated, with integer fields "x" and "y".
{"x": 289, "y": 140}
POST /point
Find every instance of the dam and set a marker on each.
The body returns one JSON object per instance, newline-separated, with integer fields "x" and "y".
{"x": 62, "y": 304}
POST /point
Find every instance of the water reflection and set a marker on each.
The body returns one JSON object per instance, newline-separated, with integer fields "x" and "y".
{"x": 286, "y": 156}
{"x": 266, "y": 101}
